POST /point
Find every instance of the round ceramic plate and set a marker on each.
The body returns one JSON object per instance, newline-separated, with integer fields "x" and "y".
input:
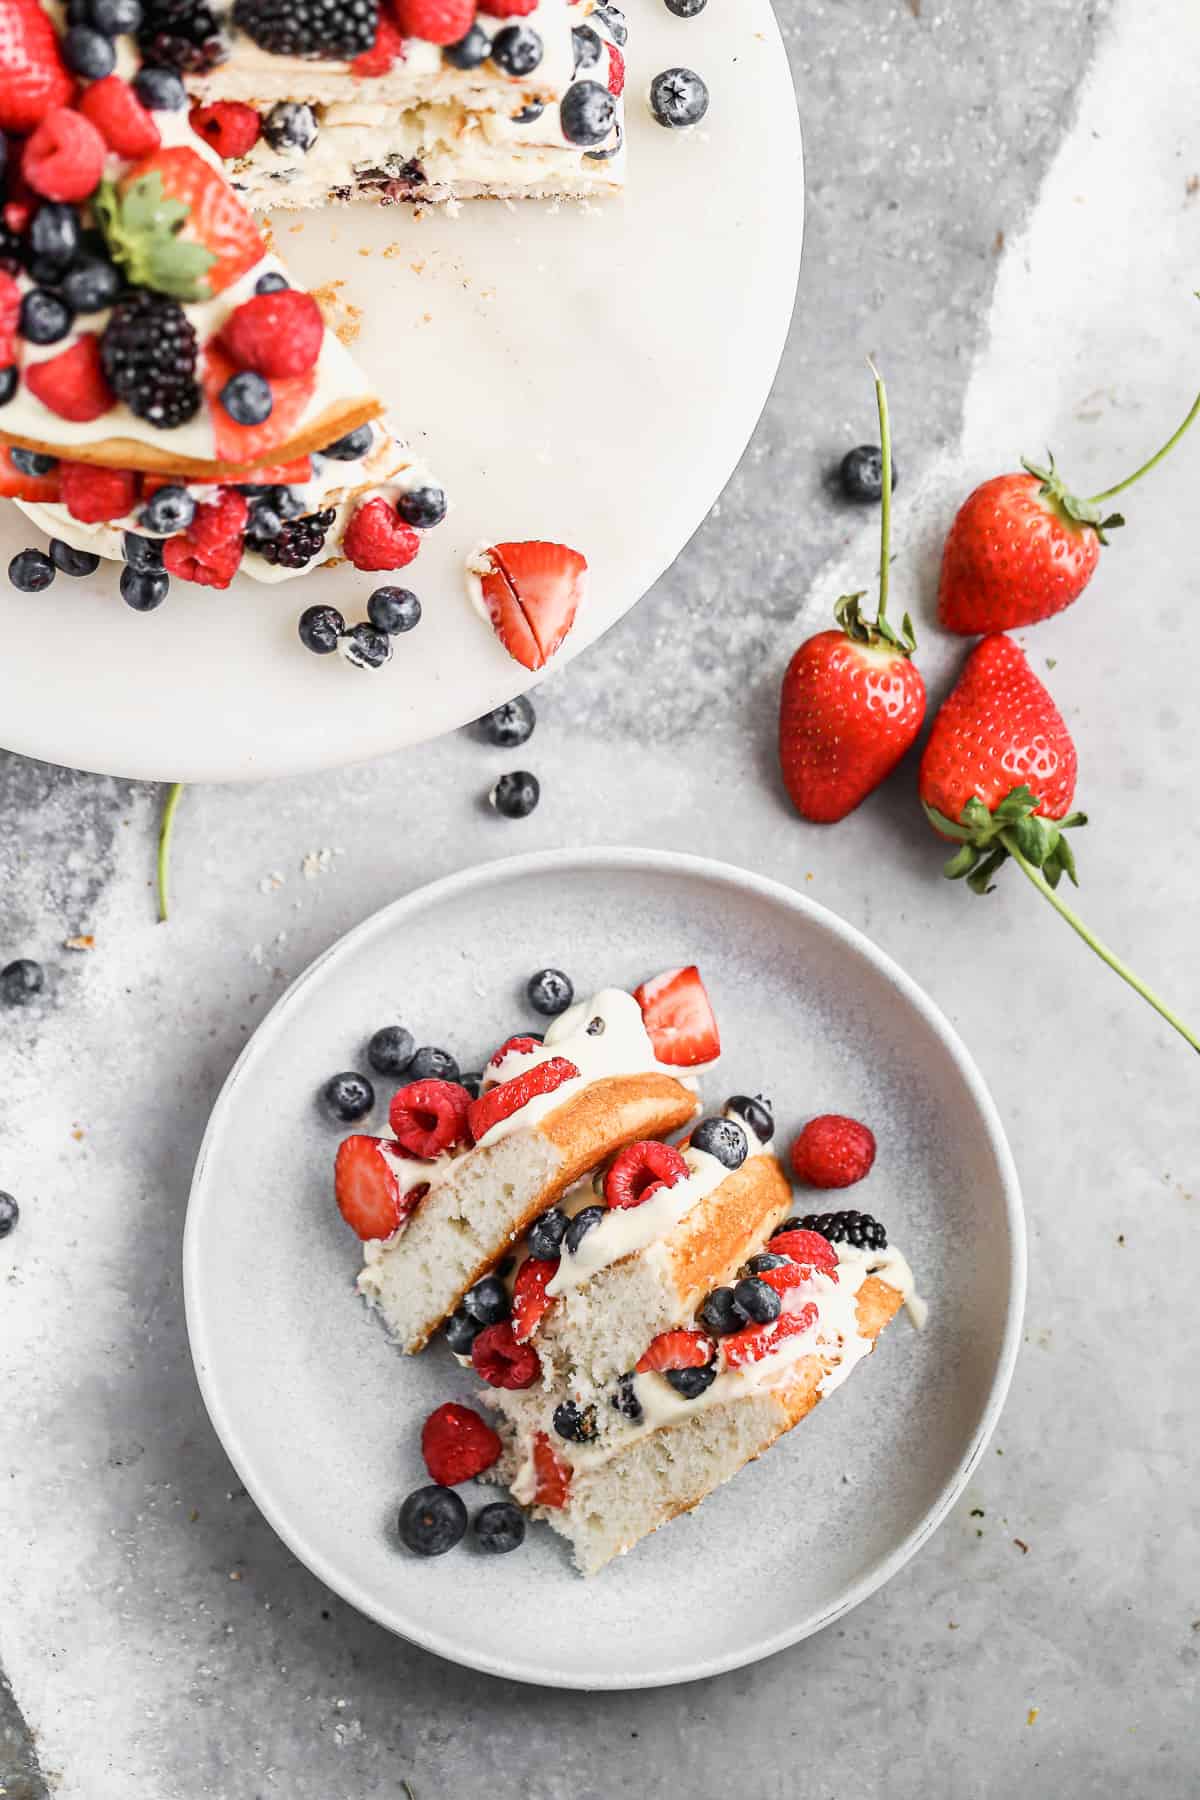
{"x": 587, "y": 374}
{"x": 321, "y": 1415}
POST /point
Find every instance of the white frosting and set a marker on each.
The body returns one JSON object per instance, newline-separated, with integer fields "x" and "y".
{"x": 626, "y": 1229}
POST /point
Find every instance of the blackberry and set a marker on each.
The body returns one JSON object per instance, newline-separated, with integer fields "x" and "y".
{"x": 181, "y": 34}
{"x": 858, "y": 1229}
{"x": 148, "y": 350}
{"x": 335, "y": 29}
{"x": 298, "y": 543}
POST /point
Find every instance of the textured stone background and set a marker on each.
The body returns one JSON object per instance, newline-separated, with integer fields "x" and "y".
{"x": 1000, "y": 208}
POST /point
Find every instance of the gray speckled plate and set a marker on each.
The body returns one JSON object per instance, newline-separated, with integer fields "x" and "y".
{"x": 321, "y": 1416}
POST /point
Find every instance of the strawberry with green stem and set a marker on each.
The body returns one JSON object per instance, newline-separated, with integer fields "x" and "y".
{"x": 998, "y": 778}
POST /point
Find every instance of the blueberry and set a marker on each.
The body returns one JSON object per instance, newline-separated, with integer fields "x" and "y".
{"x": 394, "y": 610}
{"x": 574, "y": 1422}
{"x": 721, "y": 1314}
{"x": 500, "y": 1527}
{"x": 678, "y": 97}
{"x": 724, "y": 1139}
{"x": 529, "y": 113}
{"x": 580, "y": 1225}
{"x": 488, "y": 1301}
{"x": 755, "y": 1112}
{"x": 614, "y": 18}
{"x": 30, "y": 571}
{"x": 766, "y": 1259}
{"x": 550, "y": 992}
{"x": 291, "y": 125}
{"x": 31, "y": 462}
{"x": 160, "y": 90}
{"x": 88, "y": 53}
{"x": 8, "y": 383}
{"x": 517, "y": 49}
{"x": 758, "y": 1300}
{"x": 686, "y": 9}
{"x": 141, "y": 552}
{"x": 422, "y": 507}
{"x": 348, "y": 1096}
{"x": 515, "y": 795}
{"x": 432, "y": 1520}
{"x": 71, "y": 561}
{"x": 144, "y": 589}
{"x": 469, "y": 51}
{"x": 45, "y": 317}
{"x": 861, "y": 473}
{"x": 585, "y": 46}
{"x": 247, "y": 397}
{"x": 363, "y": 647}
{"x": 278, "y": 498}
{"x": 10, "y": 1212}
{"x": 587, "y": 113}
{"x": 509, "y": 725}
{"x": 461, "y": 1331}
{"x": 391, "y": 1050}
{"x": 91, "y": 285}
{"x": 55, "y": 233}
{"x": 430, "y": 1064}
{"x": 21, "y": 981}
{"x": 115, "y": 18}
{"x": 546, "y": 1235}
{"x": 264, "y": 521}
{"x": 473, "y": 1083}
{"x": 624, "y": 1398}
{"x": 692, "y": 1382}
{"x": 351, "y": 448}
{"x": 168, "y": 510}
{"x": 271, "y": 283}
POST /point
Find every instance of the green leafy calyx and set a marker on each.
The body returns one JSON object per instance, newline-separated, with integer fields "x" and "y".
{"x": 987, "y": 839}
{"x": 1067, "y": 505}
{"x": 877, "y": 633}
{"x": 142, "y": 226}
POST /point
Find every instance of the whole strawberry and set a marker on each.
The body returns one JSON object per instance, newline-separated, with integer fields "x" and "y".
{"x": 853, "y": 700}
{"x": 997, "y": 777}
{"x": 32, "y": 76}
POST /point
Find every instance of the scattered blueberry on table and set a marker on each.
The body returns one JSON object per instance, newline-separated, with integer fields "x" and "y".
{"x": 678, "y": 98}
{"x": 10, "y": 1212}
{"x": 861, "y": 473}
{"x": 21, "y": 981}
{"x": 510, "y": 725}
{"x": 516, "y": 795}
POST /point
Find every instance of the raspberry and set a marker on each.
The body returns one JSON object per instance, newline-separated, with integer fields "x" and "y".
{"x": 805, "y": 1247}
{"x": 10, "y": 308}
{"x": 677, "y": 1350}
{"x": 429, "y": 1117}
{"x": 72, "y": 384}
{"x": 501, "y": 1102}
{"x": 64, "y": 159}
{"x": 616, "y": 72}
{"x": 530, "y": 1300}
{"x": 437, "y": 21}
{"x": 833, "y": 1151}
{"x": 789, "y": 1276}
{"x": 501, "y": 1361}
{"x": 377, "y": 538}
{"x": 210, "y": 550}
{"x": 457, "y": 1444}
{"x": 228, "y": 126}
{"x": 553, "y": 1476}
{"x": 757, "y": 1341}
{"x": 278, "y": 334}
{"x": 94, "y": 495}
{"x": 387, "y": 49}
{"x": 640, "y": 1171}
{"x": 120, "y": 118}
{"x": 220, "y": 521}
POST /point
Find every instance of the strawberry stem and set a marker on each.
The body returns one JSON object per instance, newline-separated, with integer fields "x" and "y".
{"x": 1008, "y": 839}
{"x": 885, "y": 498}
{"x": 163, "y": 861}
{"x": 1146, "y": 467}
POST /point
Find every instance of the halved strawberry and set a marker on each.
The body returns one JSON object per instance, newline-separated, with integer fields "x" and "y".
{"x": 529, "y": 1299}
{"x": 757, "y": 1341}
{"x": 531, "y": 592}
{"x": 640, "y": 1171}
{"x": 244, "y": 444}
{"x": 94, "y": 495}
{"x": 678, "y": 1016}
{"x": 677, "y": 1350}
{"x": 32, "y": 76}
{"x": 429, "y": 1117}
{"x": 553, "y": 1476}
{"x": 502, "y": 1101}
{"x": 72, "y": 384}
{"x": 805, "y": 1247}
{"x": 16, "y": 486}
{"x": 158, "y": 241}
{"x": 368, "y": 1189}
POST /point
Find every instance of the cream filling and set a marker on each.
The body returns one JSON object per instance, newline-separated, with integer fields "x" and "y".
{"x": 625, "y": 1230}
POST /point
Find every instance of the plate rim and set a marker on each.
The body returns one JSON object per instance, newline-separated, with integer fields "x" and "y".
{"x": 622, "y": 859}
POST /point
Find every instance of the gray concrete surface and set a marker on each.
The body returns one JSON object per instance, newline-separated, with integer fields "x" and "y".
{"x": 1001, "y": 208}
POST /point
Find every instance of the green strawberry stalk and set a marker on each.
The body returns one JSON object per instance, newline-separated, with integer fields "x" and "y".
{"x": 1111, "y": 493}
{"x": 162, "y": 867}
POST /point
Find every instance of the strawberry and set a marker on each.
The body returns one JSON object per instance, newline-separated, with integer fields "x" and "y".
{"x": 378, "y": 538}
{"x": 640, "y": 1171}
{"x": 248, "y": 444}
{"x": 367, "y": 1186}
{"x": 229, "y": 127}
{"x": 437, "y": 21}
{"x": 501, "y": 1361}
{"x": 210, "y": 550}
{"x": 529, "y": 1299}
{"x": 678, "y": 1017}
{"x": 677, "y": 1350}
{"x": 616, "y": 72}
{"x": 177, "y": 226}
{"x": 16, "y": 486}
{"x": 10, "y": 312}
{"x": 807, "y": 1247}
{"x": 457, "y": 1444}
{"x": 789, "y": 1277}
{"x": 996, "y": 726}
{"x": 429, "y": 1117}
{"x": 832, "y": 1151}
{"x": 32, "y": 76}
{"x": 387, "y": 49}
{"x": 94, "y": 495}
{"x": 119, "y": 116}
{"x": 756, "y": 1341}
{"x": 852, "y": 700}
{"x": 278, "y": 334}
{"x": 64, "y": 159}
{"x": 502, "y": 1101}
{"x": 531, "y": 592}
{"x": 513, "y": 1046}
{"x": 553, "y": 1476}
{"x": 508, "y": 9}
{"x": 72, "y": 383}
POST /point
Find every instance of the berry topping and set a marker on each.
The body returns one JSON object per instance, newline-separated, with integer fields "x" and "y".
{"x": 756, "y": 1341}
{"x": 297, "y": 542}
{"x": 691, "y": 1383}
{"x": 72, "y": 383}
{"x": 120, "y": 118}
{"x": 550, "y": 992}
{"x": 721, "y": 1314}
{"x": 757, "y": 1299}
{"x": 624, "y": 1398}
{"x": 531, "y": 593}
{"x": 499, "y": 1527}
{"x": 861, "y": 473}
{"x": 500, "y": 1361}
{"x": 422, "y": 507}
{"x": 587, "y": 113}
{"x": 227, "y": 126}
{"x": 247, "y": 398}
{"x": 394, "y": 610}
{"x": 352, "y": 447}
{"x": 437, "y": 21}
{"x": 378, "y": 538}
{"x": 93, "y": 495}
{"x": 546, "y": 1235}
{"x": 583, "y": 1222}
{"x": 585, "y": 46}
{"x": 180, "y": 34}
{"x": 387, "y": 49}
{"x": 502, "y": 1101}
{"x": 10, "y": 312}
{"x": 429, "y": 1117}
{"x": 144, "y": 589}
{"x": 487, "y": 1302}
{"x": 365, "y": 648}
{"x": 148, "y": 350}
{"x": 833, "y": 1151}
{"x": 614, "y": 18}
{"x": 277, "y": 334}
{"x": 429, "y": 1063}
{"x": 578, "y": 1424}
{"x": 678, "y": 97}
{"x": 55, "y": 238}
{"x": 686, "y": 9}
{"x": 177, "y": 226}
{"x": 348, "y": 1097}
{"x": 457, "y": 1444}
{"x": 290, "y": 125}
{"x": 391, "y": 1049}
{"x": 516, "y": 794}
{"x": 32, "y": 76}
{"x": 616, "y": 72}
{"x": 337, "y": 30}
{"x": 530, "y": 1300}
{"x": 45, "y": 316}
{"x": 366, "y": 1183}
{"x": 677, "y": 1350}
{"x": 70, "y": 561}
{"x": 92, "y": 285}
{"x": 513, "y": 1046}
{"x": 169, "y": 509}
{"x": 319, "y": 628}
{"x": 210, "y": 550}
{"x": 508, "y": 9}
{"x": 432, "y": 1521}
{"x": 64, "y": 159}
{"x": 517, "y": 50}
{"x": 10, "y": 1212}
{"x": 115, "y": 18}
{"x": 160, "y": 90}
{"x": 678, "y": 1017}
{"x": 30, "y": 572}
{"x": 755, "y": 1113}
{"x": 857, "y": 1229}
{"x": 33, "y": 462}
{"x": 16, "y": 481}
{"x": 470, "y": 50}
{"x": 799, "y": 1241}
{"x": 461, "y": 1330}
{"x": 640, "y": 1171}
{"x": 141, "y": 552}
{"x": 723, "y": 1138}
{"x": 87, "y": 53}
{"x": 553, "y": 1476}
{"x": 510, "y": 725}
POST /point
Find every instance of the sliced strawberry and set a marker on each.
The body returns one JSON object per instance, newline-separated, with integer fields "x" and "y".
{"x": 678, "y": 1016}
{"x": 457, "y": 1444}
{"x": 10, "y": 312}
{"x": 805, "y": 1247}
{"x": 72, "y": 383}
{"x": 16, "y": 486}
{"x": 529, "y": 1300}
{"x": 368, "y": 1188}
{"x": 513, "y": 1046}
{"x": 216, "y": 220}
{"x": 245, "y": 444}
{"x": 531, "y": 592}
{"x": 640, "y": 1171}
{"x": 616, "y": 72}
{"x": 757, "y": 1341}
{"x": 429, "y": 1117}
{"x": 501, "y": 1361}
{"x": 502, "y": 1101}
{"x": 677, "y": 1350}
{"x": 95, "y": 495}
{"x": 119, "y": 116}
{"x": 32, "y": 76}
{"x": 553, "y": 1475}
